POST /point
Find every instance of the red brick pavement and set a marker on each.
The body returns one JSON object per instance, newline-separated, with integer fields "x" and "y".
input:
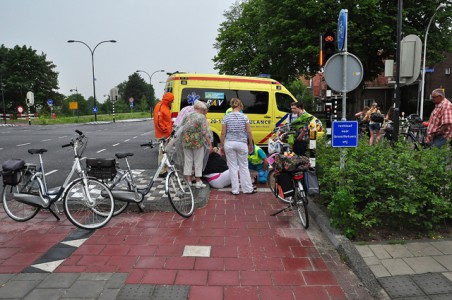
{"x": 253, "y": 255}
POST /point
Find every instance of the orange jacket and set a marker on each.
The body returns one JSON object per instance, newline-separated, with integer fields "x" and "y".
{"x": 163, "y": 125}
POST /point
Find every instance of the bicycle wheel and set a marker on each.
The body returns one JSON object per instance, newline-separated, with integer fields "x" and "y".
{"x": 179, "y": 194}
{"x": 301, "y": 203}
{"x": 16, "y": 209}
{"x": 271, "y": 181}
{"x": 88, "y": 206}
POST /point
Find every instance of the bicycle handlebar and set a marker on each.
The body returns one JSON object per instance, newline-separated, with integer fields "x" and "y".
{"x": 79, "y": 132}
{"x": 149, "y": 144}
{"x": 67, "y": 145}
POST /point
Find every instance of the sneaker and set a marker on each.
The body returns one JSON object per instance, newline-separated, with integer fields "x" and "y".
{"x": 200, "y": 184}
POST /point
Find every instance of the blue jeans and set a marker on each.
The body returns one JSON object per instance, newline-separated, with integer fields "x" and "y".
{"x": 438, "y": 141}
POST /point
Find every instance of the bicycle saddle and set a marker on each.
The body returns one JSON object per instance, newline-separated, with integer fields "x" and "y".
{"x": 123, "y": 155}
{"x": 37, "y": 151}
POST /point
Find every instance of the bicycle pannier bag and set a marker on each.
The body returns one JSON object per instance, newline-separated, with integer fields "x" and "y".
{"x": 291, "y": 163}
{"x": 284, "y": 185}
{"x": 311, "y": 182}
{"x": 11, "y": 171}
{"x": 101, "y": 168}
{"x": 376, "y": 117}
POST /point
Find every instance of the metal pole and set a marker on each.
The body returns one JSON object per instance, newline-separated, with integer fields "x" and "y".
{"x": 421, "y": 108}
{"x": 92, "y": 65}
{"x": 397, "y": 87}
{"x": 3, "y": 99}
{"x": 150, "y": 85}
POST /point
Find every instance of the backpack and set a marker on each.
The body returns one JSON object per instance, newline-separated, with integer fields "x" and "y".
{"x": 376, "y": 117}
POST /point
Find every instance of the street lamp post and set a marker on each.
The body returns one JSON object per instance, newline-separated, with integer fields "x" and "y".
{"x": 92, "y": 64}
{"x": 150, "y": 85}
{"x": 421, "y": 109}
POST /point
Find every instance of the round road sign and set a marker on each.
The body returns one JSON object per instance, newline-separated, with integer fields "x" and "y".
{"x": 334, "y": 72}
{"x": 20, "y": 109}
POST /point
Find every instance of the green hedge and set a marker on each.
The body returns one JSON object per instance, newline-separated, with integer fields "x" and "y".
{"x": 383, "y": 186}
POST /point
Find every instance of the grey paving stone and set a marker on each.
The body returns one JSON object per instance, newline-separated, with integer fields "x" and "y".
{"x": 397, "y": 266}
{"x": 445, "y": 260}
{"x": 364, "y": 251}
{"x": 397, "y": 251}
{"x": 85, "y": 289}
{"x": 136, "y": 292}
{"x": 47, "y": 294}
{"x": 5, "y": 277}
{"x": 424, "y": 264}
{"x": 109, "y": 294}
{"x": 433, "y": 283}
{"x": 379, "y": 271}
{"x": 171, "y": 292}
{"x": 30, "y": 276}
{"x": 17, "y": 288}
{"x": 59, "y": 280}
{"x": 400, "y": 286}
{"x": 95, "y": 276}
{"x": 371, "y": 261}
{"x": 444, "y": 246}
{"x": 448, "y": 275}
{"x": 116, "y": 281}
{"x": 380, "y": 252}
{"x": 422, "y": 249}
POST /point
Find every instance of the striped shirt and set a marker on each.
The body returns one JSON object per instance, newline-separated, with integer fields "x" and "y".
{"x": 236, "y": 127}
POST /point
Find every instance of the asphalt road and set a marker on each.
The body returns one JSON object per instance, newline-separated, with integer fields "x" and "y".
{"x": 104, "y": 140}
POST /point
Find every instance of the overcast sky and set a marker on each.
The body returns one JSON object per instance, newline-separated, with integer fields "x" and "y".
{"x": 173, "y": 35}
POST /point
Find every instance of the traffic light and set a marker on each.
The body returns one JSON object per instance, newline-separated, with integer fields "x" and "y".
{"x": 328, "y": 46}
{"x": 328, "y": 108}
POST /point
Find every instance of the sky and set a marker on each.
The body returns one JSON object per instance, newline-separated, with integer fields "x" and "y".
{"x": 151, "y": 35}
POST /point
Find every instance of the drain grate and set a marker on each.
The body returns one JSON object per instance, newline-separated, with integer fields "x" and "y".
{"x": 400, "y": 286}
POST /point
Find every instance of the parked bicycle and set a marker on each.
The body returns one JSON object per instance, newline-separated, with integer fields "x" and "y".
{"x": 87, "y": 202}
{"x": 413, "y": 131}
{"x": 125, "y": 190}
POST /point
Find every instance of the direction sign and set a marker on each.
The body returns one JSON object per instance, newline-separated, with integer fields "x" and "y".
{"x": 344, "y": 134}
{"x": 334, "y": 72}
{"x": 342, "y": 29}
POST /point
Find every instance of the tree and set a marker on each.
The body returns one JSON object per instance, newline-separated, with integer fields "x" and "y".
{"x": 282, "y": 37}
{"x": 136, "y": 88}
{"x": 23, "y": 70}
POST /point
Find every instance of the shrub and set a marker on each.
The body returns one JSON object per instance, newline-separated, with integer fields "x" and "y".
{"x": 385, "y": 186}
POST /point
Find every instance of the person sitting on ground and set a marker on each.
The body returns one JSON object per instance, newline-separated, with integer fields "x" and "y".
{"x": 257, "y": 160}
{"x": 216, "y": 171}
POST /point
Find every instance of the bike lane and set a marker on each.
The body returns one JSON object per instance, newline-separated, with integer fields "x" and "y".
{"x": 230, "y": 249}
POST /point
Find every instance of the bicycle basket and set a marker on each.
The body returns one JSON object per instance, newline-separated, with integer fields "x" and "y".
{"x": 11, "y": 173}
{"x": 101, "y": 168}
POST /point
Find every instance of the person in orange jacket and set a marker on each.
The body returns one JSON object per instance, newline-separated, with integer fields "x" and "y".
{"x": 163, "y": 126}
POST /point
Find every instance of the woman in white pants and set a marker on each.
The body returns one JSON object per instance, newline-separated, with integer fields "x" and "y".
{"x": 236, "y": 143}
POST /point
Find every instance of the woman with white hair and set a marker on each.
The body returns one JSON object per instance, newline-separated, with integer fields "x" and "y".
{"x": 196, "y": 142}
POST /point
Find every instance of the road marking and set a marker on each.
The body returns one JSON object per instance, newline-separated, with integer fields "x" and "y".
{"x": 1, "y": 148}
{"x": 135, "y": 137}
{"x": 116, "y": 145}
{"x": 20, "y": 145}
{"x": 51, "y": 172}
{"x": 126, "y": 140}
{"x": 101, "y": 151}
{"x": 46, "y": 140}
{"x": 62, "y": 137}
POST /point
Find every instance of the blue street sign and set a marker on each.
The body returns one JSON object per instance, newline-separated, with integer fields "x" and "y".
{"x": 341, "y": 29}
{"x": 95, "y": 109}
{"x": 49, "y": 101}
{"x": 131, "y": 104}
{"x": 344, "y": 134}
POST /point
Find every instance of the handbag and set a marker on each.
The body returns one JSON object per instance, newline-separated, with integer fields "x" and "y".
{"x": 312, "y": 182}
{"x": 376, "y": 117}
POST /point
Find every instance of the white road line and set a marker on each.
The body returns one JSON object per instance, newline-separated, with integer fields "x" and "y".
{"x": 101, "y": 151}
{"x": 126, "y": 140}
{"x": 51, "y": 172}
{"x": 116, "y": 145}
{"x": 62, "y": 137}
{"x": 135, "y": 137}
{"x": 20, "y": 145}
{"x": 46, "y": 140}
{"x": 1, "y": 148}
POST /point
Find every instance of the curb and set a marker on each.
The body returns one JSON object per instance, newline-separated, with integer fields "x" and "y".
{"x": 348, "y": 252}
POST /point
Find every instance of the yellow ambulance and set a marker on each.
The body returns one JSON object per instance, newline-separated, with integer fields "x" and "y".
{"x": 266, "y": 101}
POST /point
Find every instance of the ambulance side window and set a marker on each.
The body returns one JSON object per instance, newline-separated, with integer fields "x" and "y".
{"x": 283, "y": 102}
{"x": 254, "y": 102}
